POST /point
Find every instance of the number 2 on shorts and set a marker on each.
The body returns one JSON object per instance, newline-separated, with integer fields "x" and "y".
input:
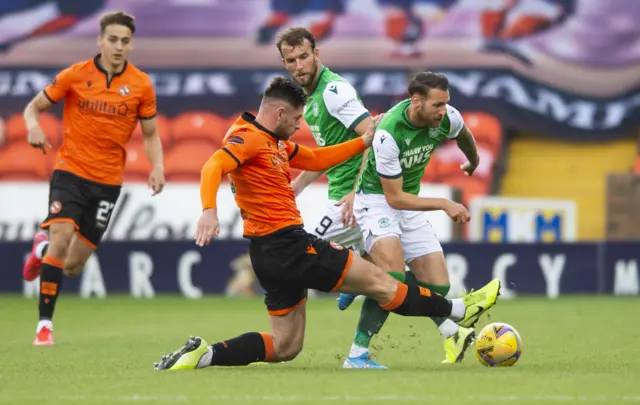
{"x": 104, "y": 211}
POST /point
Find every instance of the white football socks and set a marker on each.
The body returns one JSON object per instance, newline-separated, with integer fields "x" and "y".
{"x": 40, "y": 249}
{"x": 458, "y": 309}
{"x": 205, "y": 360}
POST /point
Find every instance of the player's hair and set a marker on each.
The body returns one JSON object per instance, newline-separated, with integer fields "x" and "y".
{"x": 118, "y": 18}
{"x": 295, "y": 36}
{"x": 423, "y": 82}
{"x": 284, "y": 89}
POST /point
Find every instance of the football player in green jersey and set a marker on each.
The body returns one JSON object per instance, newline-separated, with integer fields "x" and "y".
{"x": 392, "y": 216}
{"x": 335, "y": 114}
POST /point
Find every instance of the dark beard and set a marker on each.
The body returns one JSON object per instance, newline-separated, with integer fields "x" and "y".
{"x": 312, "y": 76}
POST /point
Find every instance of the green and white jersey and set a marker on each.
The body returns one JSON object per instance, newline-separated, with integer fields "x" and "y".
{"x": 403, "y": 150}
{"x": 333, "y": 111}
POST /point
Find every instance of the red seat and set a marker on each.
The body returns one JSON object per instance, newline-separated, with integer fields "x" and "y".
{"x": 20, "y": 162}
{"x": 485, "y": 128}
{"x": 469, "y": 186}
{"x": 164, "y": 131}
{"x": 51, "y": 125}
{"x": 636, "y": 167}
{"x": 185, "y": 160}
{"x": 451, "y": 157}
{"x": 137, "y": 167}
{"x": 199, "y": 125}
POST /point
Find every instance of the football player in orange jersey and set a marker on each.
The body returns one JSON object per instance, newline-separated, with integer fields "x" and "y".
{"x": 105, "y": 98}
{"x": 258, "y": 155}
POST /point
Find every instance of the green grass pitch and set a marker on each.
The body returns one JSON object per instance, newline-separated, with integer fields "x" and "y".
{"x": 576, "y": 350}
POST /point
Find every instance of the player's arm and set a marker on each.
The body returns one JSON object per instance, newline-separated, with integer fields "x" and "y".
{"x": 152, "y": 143}
{"x": 464, "y": 138}
{"x": 43, "y": 101}
{"x": 342, "y": 103}
{"x": 234, "y": 152}
{"x": 387, "y": 155}
{"x": 301, "y": 157}
{"x": 303, "y": 180}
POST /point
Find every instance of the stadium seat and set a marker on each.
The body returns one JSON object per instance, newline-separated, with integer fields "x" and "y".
{"x": 469, "y": 186}
{"x": 137, "y": 167}
{"x": 51, "y": 125}
{"x": 21, "y": 162}
{"x": 199, "y": 125}
{"x": 184, "y": 161}
{"x": 636, "y": 167}
{"x": 485, "y": 128}
{"x": 164, "y": 131}
{"x": 451, "y": 157}
{"x": 432, "y": 170}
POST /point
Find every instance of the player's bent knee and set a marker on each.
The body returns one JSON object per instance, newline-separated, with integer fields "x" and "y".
{"x": 286, "y": 349}
{"x": 287, "y": 353}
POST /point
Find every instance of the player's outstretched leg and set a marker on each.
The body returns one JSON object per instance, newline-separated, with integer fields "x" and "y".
{"x": 400, "y": 298}
{"x": 240, "y": 351}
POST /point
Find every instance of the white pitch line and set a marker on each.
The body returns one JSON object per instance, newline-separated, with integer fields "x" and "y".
{"x": 356, "y": 398}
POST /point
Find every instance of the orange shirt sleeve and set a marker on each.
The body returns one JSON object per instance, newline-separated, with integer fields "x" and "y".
{"x": 301, "y": 157}
{"x": 236, "y": 150}
{"x": 147, "y": 107}
{"x": 60, "y": 86}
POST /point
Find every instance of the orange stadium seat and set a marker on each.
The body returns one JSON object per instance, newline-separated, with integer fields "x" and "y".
{"x": 199, "y": 125}
{"x": 450, "y": 158}
{"x": 21, "y": 162}
{"x": 184, "y": 161}
{"x": 51, "y": 125}
{"x": 636, "y": 167}
{"x": 137, "y": 167}
{"x": 164, "y": 131}
{"x": 485, "y": 128}
{"x": 469, "y": 186}
{"x": 432, "y": 170}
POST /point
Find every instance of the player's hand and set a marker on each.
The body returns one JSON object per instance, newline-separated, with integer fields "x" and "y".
{"x": 156, "y": 180}
{"x": 347, "y": 217}
{"x": 457, "y": 212}
{"x": 468, "y": 168}
{"x": 208, "y": 227}
{"x": 367, "y": 137}
{"x": 38, "y": 139}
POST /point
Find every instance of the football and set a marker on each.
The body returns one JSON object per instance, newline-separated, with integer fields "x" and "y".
{"x": 498, "y": 345}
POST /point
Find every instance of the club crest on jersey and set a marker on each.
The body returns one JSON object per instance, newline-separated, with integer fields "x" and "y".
{"x": 124, "y": 91}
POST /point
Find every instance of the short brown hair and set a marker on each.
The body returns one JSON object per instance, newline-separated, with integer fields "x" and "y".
{"x": 118, "y": 18}
{"x": 295, "y": 36}
{"x": 284, "y": 89}
{"x": 423, "y": 82}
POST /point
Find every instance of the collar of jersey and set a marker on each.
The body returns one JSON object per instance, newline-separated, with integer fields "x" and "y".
{"x": 322, "y": 69}
{"x": 405, "y": 116}
{"x": 101, "y": 69}
{"x": 251, "y": 119}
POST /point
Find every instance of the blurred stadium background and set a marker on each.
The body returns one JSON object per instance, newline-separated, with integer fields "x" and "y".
{"x": 549, "y": 88}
